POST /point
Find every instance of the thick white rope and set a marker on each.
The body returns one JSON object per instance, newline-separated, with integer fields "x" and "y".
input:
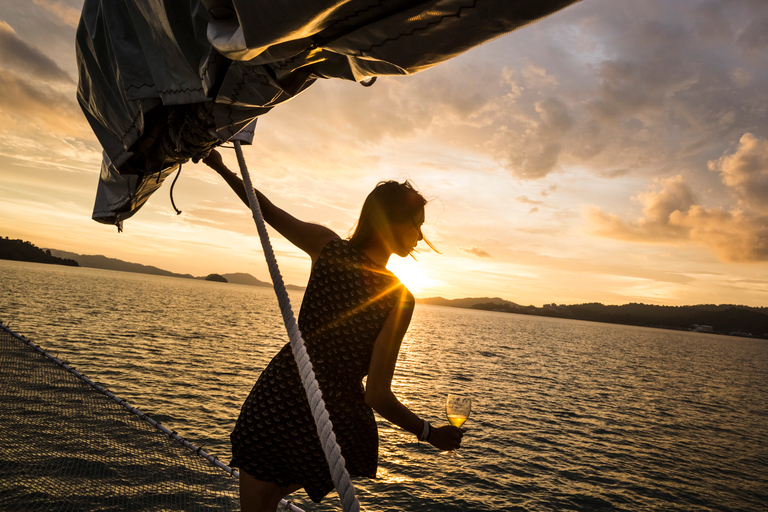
{"x": 331, "y": 448}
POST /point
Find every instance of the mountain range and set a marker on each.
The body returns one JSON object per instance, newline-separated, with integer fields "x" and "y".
{"x": 21, "y": 250}
{"x": 721, "y": 319}
{"x": 103, "y": 262}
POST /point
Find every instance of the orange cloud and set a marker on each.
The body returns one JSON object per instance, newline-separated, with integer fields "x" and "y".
{"x": 660, "y": 222}
{"x": 734, "y": 236}
{"x": 476, "y": 251}
{"x": 746, "y": 172}
{"x": 671, "y": 215}
{"x": 526, "y": 200}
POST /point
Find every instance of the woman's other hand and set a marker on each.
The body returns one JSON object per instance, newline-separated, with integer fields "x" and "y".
{"x": 213, "y": 160}
{"x": 446, "y": 437}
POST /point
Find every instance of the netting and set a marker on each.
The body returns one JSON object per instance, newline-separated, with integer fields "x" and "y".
{"x": 68, "y": 444}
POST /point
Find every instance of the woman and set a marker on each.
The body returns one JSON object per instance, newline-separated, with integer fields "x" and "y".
{"x": 353, "y": 319}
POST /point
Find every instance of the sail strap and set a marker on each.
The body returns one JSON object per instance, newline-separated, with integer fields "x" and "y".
{"x": 323, "y": 423}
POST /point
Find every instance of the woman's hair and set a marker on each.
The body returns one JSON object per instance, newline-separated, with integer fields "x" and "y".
{"x": 390, "y": 202}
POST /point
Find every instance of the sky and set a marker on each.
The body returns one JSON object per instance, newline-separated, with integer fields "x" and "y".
{"x": 614, "y": 152}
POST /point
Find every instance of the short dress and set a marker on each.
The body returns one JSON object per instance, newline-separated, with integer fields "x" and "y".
{"x": 345, "y": 305}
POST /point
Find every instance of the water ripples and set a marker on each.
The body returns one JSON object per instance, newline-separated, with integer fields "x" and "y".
{"x": 567, "y": 415}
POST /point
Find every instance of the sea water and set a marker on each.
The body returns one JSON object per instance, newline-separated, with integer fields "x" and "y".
{"x": 566, "y": 415}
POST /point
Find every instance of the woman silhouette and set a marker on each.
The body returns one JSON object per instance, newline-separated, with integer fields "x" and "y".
{"x": 353, "y": 318}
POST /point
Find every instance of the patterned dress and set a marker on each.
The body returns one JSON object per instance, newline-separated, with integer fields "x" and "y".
{"x": 345, "y": 306}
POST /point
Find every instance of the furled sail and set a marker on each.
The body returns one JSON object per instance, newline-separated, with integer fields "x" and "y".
{"x": 162, "y": 82}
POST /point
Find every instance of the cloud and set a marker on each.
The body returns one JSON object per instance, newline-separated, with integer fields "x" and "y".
{"x": 657, "y": 224}
{"x": 537, "y": 151}
{"x": 476, "y": 251}
{"x": 18, "y": 54}
{"x": 647, "y": 90}
{"x": 746, "y": 172}
{"x": 755, "y": 35}
{"x": 68, "y": 15}
{"x": 735, "y": 236}
{"x": 33, "y": 108}
{"x": 526, "y": 200}
{"x": 672, "y": 215}
{"x": 642, "y": 89}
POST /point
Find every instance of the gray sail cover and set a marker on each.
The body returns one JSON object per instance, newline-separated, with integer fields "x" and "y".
{"x": 164, "y": 81}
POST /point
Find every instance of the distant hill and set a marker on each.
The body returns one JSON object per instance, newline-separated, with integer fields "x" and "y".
{"x": 98, "y": 261}
{"x": 248, "y": 279}
{"x": 242, "y": 278}
{"x": 19, "y": 250}
{"x": 103, "y": 262}
{"x": 722, "y": 318}
{"x": 465, "y": 303}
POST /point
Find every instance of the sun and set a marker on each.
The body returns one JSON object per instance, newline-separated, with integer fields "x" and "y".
{"x": 410, "y": 273}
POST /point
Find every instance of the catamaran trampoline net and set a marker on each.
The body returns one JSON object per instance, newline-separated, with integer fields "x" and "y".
{"x": 67, "y": 445}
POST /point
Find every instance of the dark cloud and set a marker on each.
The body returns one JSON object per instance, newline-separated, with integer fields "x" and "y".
{"x": 39, "y": 108}
{"x": 69, "y": 15}
{"x": 16, "y": 53}
{"x": 650, "y": 87}
{"x": 711, "y": 21}
{"x": 755, "y": 35}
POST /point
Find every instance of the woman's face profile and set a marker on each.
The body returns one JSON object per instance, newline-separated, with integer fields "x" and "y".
{"x": 407, "y": 234}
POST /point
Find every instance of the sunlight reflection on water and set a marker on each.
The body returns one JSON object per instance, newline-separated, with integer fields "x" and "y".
{"x": 566, "y": 415}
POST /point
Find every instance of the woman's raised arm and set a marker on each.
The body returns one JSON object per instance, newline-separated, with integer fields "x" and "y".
{"x": 309, "y": 237}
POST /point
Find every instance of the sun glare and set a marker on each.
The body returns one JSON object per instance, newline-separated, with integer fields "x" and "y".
{"x": 410, "y": 273}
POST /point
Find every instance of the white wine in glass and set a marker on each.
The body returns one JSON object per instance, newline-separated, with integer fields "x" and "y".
{"x": 457, "y": 408}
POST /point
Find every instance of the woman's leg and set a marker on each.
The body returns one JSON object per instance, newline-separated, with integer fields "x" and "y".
{"x": 260, "y": 496}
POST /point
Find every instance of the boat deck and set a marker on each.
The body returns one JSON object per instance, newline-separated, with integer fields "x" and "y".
{"x": 68, "y": 444}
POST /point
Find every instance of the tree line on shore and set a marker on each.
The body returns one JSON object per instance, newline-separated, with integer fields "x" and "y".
{"x": 19, "y": 250}
{"x": 722, "y": 319}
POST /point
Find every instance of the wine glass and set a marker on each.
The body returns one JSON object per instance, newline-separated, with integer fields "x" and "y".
{"x": 457, "y": 409}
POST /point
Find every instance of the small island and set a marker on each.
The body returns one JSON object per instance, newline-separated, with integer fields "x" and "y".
{"x": 216, "y": 277}
{"x": 19, "y": 250}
